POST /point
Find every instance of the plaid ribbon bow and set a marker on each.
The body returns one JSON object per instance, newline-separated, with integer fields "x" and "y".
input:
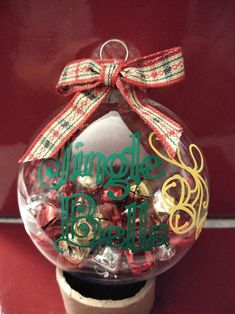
{"x": 92, "y": 80}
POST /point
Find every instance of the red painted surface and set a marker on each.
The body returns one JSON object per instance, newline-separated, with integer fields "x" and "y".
{"x": 39, "y": 37}
{"x": 27, "y": 281}
{"x": 195, "y": 285}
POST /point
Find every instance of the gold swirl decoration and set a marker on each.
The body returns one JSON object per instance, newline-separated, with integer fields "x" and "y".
{"x": 193, "y": 199}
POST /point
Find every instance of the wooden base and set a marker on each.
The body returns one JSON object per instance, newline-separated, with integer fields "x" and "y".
{"x": 76, "y": 303}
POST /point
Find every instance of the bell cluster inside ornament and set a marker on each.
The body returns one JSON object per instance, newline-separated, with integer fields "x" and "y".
{"x": 113, "y": 205}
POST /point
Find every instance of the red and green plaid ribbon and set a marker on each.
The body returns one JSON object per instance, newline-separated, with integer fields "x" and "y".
{"x": 92, "y": 80}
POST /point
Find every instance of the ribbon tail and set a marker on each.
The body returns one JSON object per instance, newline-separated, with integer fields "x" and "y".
{"x": 65, "y": 124}
{"x": 166, "y": 130}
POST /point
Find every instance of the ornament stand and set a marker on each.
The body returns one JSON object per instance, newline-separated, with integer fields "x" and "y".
{"x": 83, "y": 301}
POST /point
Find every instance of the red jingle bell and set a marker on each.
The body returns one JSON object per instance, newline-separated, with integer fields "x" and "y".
{"x": 116, "y": 191}
{"x": 139, "y": 263}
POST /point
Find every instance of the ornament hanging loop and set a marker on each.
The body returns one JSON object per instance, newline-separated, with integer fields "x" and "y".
{"x": 114, "y": 40}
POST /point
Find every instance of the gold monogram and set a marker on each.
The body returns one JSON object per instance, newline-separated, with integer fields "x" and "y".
{"x": 194, "y": 196}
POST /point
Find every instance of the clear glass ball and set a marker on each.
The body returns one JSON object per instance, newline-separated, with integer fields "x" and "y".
{"x": 113, "y": 206}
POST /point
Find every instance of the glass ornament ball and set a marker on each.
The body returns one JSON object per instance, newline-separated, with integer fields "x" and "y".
{"x": 112, "y": 206}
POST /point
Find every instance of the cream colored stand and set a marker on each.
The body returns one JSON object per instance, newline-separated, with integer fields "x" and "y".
{"x": 75, "y": 303}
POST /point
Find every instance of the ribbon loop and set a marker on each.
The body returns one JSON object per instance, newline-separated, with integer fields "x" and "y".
{"x": 91, "y": 81}
{"x": 79, "y": 76}
{"x": 160, "y": 69}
